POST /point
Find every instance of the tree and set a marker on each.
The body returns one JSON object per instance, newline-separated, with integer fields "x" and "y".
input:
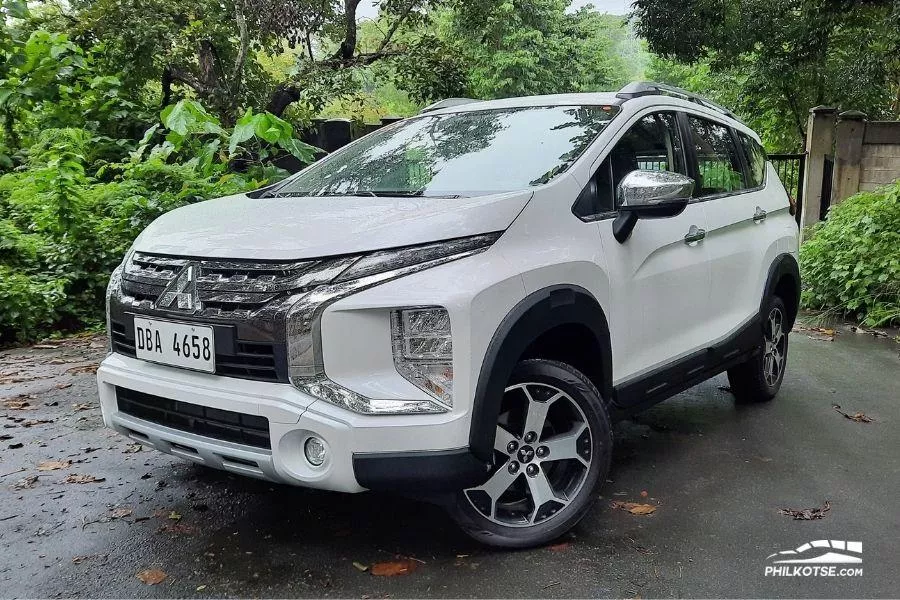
{"x": 209, "y": 47}
{"x": 782, "y": 57}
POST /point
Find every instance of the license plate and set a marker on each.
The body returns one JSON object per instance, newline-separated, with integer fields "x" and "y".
{"x": 177, "y": 344}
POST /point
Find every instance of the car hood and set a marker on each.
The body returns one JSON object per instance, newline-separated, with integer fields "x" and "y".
{"x": 309, "y": 227}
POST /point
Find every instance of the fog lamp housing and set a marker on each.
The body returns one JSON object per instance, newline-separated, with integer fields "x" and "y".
{"x": 423, "y": 350}
{"x": 315, "y": 451}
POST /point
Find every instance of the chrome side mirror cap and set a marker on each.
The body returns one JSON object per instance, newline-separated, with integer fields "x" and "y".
{"x": 649, "y": 195}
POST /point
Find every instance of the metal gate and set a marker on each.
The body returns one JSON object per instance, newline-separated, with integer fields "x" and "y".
{"x": 790, "y": 169}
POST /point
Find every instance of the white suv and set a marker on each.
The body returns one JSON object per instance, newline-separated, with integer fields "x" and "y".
{"x": 456, "y": 306}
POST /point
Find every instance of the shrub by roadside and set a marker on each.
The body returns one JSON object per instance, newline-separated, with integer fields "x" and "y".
{"x": 850, "y": 263}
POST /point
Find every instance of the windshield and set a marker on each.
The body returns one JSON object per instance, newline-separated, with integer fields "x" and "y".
{"x": 460, "y": 154}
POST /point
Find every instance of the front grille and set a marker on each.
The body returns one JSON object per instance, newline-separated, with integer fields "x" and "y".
{"x": 226, "y": 425}
{"x": 251, "y": 360}
{"x": 226, "y": 288}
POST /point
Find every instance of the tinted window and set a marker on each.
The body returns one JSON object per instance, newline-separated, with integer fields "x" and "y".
{"x": 458, "y": 154}
{"x": 756, "y": 160}
{"x": 652, "y": 144}
{"x": 717, "y": 159}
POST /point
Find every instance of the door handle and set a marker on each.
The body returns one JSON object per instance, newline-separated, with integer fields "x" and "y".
{"x": 759, "y": 216}
{"x": 694, "y": 234}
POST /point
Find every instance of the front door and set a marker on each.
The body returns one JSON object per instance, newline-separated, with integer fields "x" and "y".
{"x": 659, "y": 280}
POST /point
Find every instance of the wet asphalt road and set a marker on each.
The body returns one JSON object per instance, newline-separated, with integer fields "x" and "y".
{"x": 717, "y": 472}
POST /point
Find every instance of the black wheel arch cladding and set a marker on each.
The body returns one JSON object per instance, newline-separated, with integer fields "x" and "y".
{"x": 783, "y": 280}
{"x": 533, "y": 316}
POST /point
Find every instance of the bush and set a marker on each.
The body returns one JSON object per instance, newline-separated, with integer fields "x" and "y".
{"x": 851, "y": 261}
{"x": 62, "y": 231}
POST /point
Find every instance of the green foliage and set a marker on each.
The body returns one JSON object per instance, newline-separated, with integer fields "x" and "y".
{"x": 851, "y": 262}
{"x": 62, "y": 232}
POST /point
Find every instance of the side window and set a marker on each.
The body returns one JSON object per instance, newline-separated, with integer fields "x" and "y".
{"x": 756, "y": 160}
{"x": 652, "y": 143}
{"x": 717, "y": 158}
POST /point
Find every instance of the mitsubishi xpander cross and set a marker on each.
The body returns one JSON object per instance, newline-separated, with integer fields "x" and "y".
{"x": 457, "y": 305}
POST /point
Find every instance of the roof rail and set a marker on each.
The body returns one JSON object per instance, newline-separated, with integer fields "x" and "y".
{"x": 636, "y": 89}
{"x": 447, "y": 103}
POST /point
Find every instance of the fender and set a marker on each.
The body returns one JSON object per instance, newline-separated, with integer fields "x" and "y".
{"x": 783, "y": 264}
{"x": 536, "y": 314}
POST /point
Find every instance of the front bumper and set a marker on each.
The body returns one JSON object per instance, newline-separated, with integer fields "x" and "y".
{"x": 402, "y": 452}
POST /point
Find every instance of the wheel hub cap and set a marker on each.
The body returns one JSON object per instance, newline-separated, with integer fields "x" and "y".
{"x": 526, "y": 453}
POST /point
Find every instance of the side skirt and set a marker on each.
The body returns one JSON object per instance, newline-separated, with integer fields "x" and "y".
{"x": 642, "y": 392}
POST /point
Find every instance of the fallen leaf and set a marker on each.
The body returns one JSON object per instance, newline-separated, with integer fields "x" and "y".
{"x": 807, "y": 514}
{"x": 76, "y": 478}
{"x": 174, "y": 516}
{"x": 559, "y": 547}
{"x": 361, "y": 567}
{"x": 393, "y": 568}
{"x": 82, "y": 369}
{"x": 132, "y": 448}
{"x": 26, "y": 483}
{"x": 858, "y": 417}
{"x": 16, "y": 404}
{"x": 62, "y": 386}
{"x": 118, "y": 513}
{"x": 83, "y": 406}
{"x": 177, "y": 528}
{"x": 33, "y": 422}
{"x": 5, "y": 436}
{"x": 45, "y": 347}
{"x": 200, "y": 588}
{"x": 634, "y": 508}
{"x": 151, "y": 576}
{"x": 16, "y": 446}
{"x": 53, "y": 465}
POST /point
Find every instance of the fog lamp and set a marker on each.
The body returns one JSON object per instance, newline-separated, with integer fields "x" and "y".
{"x": 315, "y": 451}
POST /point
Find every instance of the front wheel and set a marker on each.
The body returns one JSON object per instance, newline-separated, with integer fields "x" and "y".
{"x": 552, "y": 446}
{"x": 759, "y": 378}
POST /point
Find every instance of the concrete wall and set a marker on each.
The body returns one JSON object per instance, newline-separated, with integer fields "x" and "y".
{"x": 880, "y": 156}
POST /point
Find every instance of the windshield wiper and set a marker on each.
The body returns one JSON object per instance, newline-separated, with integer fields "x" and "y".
{"x": 401, "y": 194}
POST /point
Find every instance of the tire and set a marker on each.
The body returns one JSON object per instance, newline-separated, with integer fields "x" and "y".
{"x": 759, "y": 378}
{"x": 542, "y": 482}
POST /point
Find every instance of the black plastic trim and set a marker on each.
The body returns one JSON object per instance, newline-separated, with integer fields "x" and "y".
{"x": 783, "y": 265}
{"x": 646, "y": 390}
{"x": 419, "y": 472}
{"x": 536, "y": 314}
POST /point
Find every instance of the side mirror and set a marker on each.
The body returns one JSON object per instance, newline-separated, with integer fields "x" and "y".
{"x": 649, "y": 195}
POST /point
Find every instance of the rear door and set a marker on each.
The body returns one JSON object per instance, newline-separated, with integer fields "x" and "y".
{"x": 659, "y": 282}
{"x": 732, "y": 190}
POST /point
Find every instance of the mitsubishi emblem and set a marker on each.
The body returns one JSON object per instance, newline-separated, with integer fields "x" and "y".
{"x": 181, "y": 293}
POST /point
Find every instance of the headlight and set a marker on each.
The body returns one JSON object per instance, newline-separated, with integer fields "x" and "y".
{"x": 423, "y": 350}
{"x": 303, "y": 321}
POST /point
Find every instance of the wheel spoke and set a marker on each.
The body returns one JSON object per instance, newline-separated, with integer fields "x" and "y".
{"x": 541, "y": 493}
{"x": 537, "y": 413}
{"x": 502, "y": 439}
{"x": 565, "y": 446}
{"x": 496, "y": 485}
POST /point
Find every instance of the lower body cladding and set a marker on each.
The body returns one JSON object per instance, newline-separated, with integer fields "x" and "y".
{"x": 264, "y": 430}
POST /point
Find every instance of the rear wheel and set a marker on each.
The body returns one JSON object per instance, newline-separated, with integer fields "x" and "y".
{"x": 552, "y": 446}
{"x": 759, "y": 378}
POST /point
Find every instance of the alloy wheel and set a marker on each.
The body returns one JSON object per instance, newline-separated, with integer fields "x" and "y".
{"x": 775, "y": 346}
{"x": 542, "y": 454}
